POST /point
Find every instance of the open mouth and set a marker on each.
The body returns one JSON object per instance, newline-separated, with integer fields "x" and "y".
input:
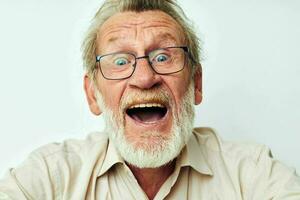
{"x": 147, "y": 112}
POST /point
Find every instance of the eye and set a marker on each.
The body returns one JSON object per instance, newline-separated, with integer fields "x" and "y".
{"x": 161, "y": 58}
{"x": 121, "y": 61}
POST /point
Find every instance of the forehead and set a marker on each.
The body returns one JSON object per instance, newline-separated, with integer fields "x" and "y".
{"x": 140, "y": 26}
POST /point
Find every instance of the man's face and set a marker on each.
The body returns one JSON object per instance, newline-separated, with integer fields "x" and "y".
{"x": 140, "y": 33}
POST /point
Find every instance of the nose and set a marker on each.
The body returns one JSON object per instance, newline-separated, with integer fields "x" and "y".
{"x": 144, "y": 77}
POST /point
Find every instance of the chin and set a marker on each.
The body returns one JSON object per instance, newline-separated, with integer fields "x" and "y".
{"x": 152, "y": 152}
{"x": 152, "y": 149}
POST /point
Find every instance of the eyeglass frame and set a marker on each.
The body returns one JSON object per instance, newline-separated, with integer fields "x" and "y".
{"x": 185, "y": 49}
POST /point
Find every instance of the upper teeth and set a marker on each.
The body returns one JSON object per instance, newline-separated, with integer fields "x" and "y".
{"x": 147, "y": 105}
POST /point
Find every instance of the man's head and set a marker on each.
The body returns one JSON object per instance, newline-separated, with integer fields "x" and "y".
{"x": 112, "y": 7}
{"x": 145, "y": 89}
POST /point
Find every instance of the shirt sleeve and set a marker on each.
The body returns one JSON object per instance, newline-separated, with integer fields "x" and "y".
{"x": 271, "y": 179}
{"x": 29, "y": 181}
{"x": 9, "y": 188}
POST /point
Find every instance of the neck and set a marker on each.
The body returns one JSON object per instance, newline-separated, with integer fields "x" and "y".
{"x": 151, "y": 179}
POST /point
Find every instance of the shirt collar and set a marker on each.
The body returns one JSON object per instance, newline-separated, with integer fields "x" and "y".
{"x": 194, "y": 155}
{"x": 111, "y": 158}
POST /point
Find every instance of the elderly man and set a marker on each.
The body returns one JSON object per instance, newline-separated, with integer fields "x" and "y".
{"x": 144, "y": 76}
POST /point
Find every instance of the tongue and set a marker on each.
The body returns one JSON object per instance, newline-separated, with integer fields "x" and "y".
{"x": 147, "y": 116}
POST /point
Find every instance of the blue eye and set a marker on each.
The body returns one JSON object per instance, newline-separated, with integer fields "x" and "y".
{"x": 121, "y": 61}
{"x": 161, "y": 58}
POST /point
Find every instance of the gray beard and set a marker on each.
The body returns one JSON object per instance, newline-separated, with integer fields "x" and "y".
{"x": 162, "y": 152}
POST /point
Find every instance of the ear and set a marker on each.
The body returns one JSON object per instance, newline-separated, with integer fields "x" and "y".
{"x": 198, "y": 84}
{"x": 90, "y": 88}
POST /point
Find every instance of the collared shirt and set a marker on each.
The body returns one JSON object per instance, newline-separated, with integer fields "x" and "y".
{"x": 207, "y": 168}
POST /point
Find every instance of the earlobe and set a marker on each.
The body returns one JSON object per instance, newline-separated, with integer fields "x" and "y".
{"x": 89, "y": 88}
{"x": 198, "y": 84}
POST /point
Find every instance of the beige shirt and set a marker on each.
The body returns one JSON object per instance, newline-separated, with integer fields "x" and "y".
{"x": 207, "y": 168}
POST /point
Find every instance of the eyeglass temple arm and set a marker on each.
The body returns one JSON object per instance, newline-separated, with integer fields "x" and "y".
{"x": 187, "y": 50}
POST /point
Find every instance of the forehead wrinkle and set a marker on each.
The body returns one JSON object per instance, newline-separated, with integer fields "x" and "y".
{"x": 140, "y": 23}
{"x": 119, "y": 26}
{"x": 150, "y": 40}
{"x": 168, "y": 24}
{"x": 110, "y": 34}
{"x": 163, "y": 36}
{"x": 141, "y": 31}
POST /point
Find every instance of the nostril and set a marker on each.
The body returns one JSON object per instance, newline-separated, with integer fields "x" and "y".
{"x": 156, "y": 85}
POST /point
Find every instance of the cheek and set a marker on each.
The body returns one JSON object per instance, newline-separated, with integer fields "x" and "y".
{"x": 112, "y": 94}
{"x": 180, "y": 94}
{"x": 113, "y": 99}
{"x": 109, "y": 94}
{"x": 178, "y": 86}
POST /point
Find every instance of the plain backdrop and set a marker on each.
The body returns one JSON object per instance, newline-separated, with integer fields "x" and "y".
{"x": 251, "y": 70}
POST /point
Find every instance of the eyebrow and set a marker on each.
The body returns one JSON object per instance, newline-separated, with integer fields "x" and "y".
{"x": 166, "y": 36}
{"x": 113, "y": 39}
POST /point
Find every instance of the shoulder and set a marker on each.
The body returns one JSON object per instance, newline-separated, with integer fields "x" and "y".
{"x": 49, "y": 170}
{"x": 95, "y": 141}
{"x": 214, "y": 144}
{"x": 71, "y": 156}
{"x": 239, "y": 160}
{"x": 251, "y": 166}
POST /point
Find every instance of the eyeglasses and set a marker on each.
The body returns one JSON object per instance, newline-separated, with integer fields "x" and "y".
{"x": 121, "y": 65}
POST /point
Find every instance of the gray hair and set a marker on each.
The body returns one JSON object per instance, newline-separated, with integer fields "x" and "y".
{"x": 111, "y": 7}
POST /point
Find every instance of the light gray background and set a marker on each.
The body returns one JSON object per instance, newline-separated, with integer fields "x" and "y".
{"x": 251, "y": 73}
